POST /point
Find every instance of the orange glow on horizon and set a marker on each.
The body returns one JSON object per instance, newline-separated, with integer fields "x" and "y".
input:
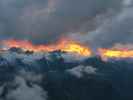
{"x": 63, "y": 45}
{"x": 115, "y": 53}
{"x": 69, "y": 46}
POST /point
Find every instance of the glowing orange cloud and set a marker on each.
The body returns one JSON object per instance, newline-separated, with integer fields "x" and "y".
{"x": 63, "y": 45}
{"x": 115, "y": 53}
{"x": 70, "y": 46}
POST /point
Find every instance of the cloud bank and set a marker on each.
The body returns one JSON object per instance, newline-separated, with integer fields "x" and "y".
{"x": 113, "y": 29}
{"x": 18, "y": 89}
{"x": 45, "y": 21}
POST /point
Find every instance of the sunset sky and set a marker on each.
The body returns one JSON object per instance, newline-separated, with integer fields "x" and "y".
{"x": 94, "y": 22}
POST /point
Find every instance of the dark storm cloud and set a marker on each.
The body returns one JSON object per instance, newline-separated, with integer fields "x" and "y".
{"x": 115, "y": 29}
{"x": 118, "y": 30}
{"x": 46, "y": 20}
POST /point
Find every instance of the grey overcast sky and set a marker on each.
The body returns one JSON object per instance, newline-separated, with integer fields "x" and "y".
{"x": 97, "y": 22}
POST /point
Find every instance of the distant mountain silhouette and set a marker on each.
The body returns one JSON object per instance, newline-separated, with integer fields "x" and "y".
{"x": 87, "y": 79}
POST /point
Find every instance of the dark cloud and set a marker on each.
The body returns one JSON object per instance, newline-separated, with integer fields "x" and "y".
{"x": 113, "y": 29}
{"x": 46, "y": 20}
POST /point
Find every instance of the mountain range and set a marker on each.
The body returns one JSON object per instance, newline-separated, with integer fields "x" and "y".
{"x": 63, "y": 76}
